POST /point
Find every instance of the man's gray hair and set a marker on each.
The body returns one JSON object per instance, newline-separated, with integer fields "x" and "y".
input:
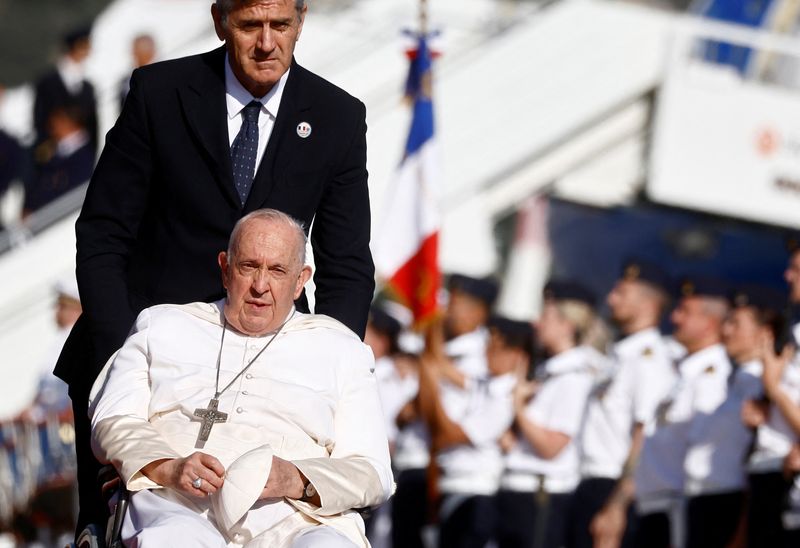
{"x": 225, "y": 6}
{"x": 275, "y": 216}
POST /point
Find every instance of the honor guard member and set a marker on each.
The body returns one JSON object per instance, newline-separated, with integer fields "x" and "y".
{"x": 395, "y": 372}
{"x": 465, "y": 432}
{"x": 619, "y": 406}
{"x": 776, "y": 432}
{"x": 397, "y": 378}
{"x": 700, "y": 387}
{"x": 468, "y": 309}
{"x": 719, "y": 442}
{"x": 541, "y": 468}
{"x": 464, "y": 329}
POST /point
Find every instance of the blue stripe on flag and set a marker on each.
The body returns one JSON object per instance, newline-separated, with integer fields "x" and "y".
{"x": 418, "y": 88}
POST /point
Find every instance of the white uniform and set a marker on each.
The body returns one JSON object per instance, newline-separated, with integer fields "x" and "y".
{"x": 639, "y": 380}
{"x": 558, "y": 405}
{"x": 395, "y": 392}
{"x": 700, "y": 387}
{"x": 719, "y": 441}
{"x": 310, "y": 398}
{"x": 774, "y": 439}
{"x": 484, "y": 411}
{"x": 778, "y": 436}
{"x": 468, "y": 352}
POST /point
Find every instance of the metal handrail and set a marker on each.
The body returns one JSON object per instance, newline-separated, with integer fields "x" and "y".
{"x": 19, "y": 234}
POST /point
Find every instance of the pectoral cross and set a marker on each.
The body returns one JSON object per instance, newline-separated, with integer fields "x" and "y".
{"x": 210, "y": 416}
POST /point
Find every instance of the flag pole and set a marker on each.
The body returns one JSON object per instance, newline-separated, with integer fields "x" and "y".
{"x": 423, "y": 17}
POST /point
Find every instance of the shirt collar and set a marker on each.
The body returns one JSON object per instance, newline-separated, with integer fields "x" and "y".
{"x": 711, "y": 356}
{"x": 237, "y": 97}
{"x": 72, "y": 143}
{"x": 635, "y": 344}
{"x": 473, "y": 342}
{"x": 569, "y": 361}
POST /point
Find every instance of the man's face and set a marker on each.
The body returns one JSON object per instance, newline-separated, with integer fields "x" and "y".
{"x": 144, "y": 51}
{"x": 792, "y": 276}
{"x": 260, "y": 38}
{"x": 501, "y": 358}
{"x": 68, "y": 310}
{"x": 623, "y": 300}
{"x": 263, "y": 277}
{"x": 691, "y": 321}
{"x": 742, "y": 333}
{"x": 465, "y": 313}
{"x": 80, "y": 50}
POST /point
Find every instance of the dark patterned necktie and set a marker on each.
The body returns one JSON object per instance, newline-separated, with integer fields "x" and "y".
{"x": 244, "y": 150}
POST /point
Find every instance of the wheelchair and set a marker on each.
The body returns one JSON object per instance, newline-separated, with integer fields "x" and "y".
{"x": 116, "y": 496}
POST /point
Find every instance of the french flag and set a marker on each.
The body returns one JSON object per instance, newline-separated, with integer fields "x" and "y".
{"x": 405, "y": 249}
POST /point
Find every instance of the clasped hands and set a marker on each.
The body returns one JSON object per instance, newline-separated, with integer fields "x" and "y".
{"x": 182, "y": 474}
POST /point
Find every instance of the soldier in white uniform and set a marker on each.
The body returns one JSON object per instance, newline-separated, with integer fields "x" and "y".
{"x": 541, "y": 464}
{"x": 620, "y": 404}
{"x": 464, "y": 328}
{"x": 244, "y": 422}
{"x": 700, "y": 387}
{"x": 465, "y": 432}
{"x": 397, "y": 376}
{"x": 719, "y": 443}
{"x": 775, "y": 435}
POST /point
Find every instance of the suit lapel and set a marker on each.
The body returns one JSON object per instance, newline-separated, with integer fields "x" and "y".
{"x": 283, "y": 140}
{"x": 203, "y": 100}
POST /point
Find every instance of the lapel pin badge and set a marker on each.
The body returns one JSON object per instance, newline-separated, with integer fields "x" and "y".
{"x": 303, "y": 129}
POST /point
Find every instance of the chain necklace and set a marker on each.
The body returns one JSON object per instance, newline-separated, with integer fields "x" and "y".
{"x": 211, "y": 415}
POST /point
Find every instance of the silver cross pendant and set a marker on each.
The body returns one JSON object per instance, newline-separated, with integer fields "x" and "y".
{"x": 210, "y": 416}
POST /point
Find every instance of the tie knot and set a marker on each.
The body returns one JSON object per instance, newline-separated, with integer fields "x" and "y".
{"x": 251, "y": 111}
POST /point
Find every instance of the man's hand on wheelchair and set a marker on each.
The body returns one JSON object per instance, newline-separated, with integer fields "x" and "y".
{"x": 198, "y": 475}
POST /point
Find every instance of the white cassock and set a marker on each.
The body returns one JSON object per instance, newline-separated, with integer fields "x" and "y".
{"x": 310, "y": 398}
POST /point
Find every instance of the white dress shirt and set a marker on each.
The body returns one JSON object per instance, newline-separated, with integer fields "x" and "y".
{"x": 468, "y": 352}
{"x": 236, "y": 98}
{"x": 310, "y": 398}
{"x": 700, "y": 388}
{"x": 484, "y": 411}
{"x": 558, "y": 405}
{"x": 395, "y": 392}
{"x": 775, "y": 438}
{"x": 718, "y": 442}
{"x": 639, "y": 380}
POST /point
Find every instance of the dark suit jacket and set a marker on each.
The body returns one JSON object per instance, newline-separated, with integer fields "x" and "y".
{"x": 162, "y": 203}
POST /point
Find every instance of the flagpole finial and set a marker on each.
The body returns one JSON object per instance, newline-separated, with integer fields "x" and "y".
{"x": 423, "y": 17}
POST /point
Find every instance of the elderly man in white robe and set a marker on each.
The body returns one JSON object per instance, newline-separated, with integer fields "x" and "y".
{"x": 244, "y": 422}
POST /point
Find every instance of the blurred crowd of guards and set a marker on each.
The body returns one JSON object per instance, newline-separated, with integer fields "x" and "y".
{"x": 513, "y": 434}
{"x": 37, "y": 455}
{"x": 38, "y": 492}
{"x": 60, "y": 153}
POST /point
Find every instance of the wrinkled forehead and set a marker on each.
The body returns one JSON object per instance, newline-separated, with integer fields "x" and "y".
{"x": 229, "y": 6}
{"x": 260, "y": 237}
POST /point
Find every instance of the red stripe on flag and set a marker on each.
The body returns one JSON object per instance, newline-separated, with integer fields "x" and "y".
{"x": 417, "y": 282}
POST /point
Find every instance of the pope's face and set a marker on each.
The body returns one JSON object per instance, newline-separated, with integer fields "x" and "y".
{"x": 263, "y": 277}
{"x": 260, "y": 38}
